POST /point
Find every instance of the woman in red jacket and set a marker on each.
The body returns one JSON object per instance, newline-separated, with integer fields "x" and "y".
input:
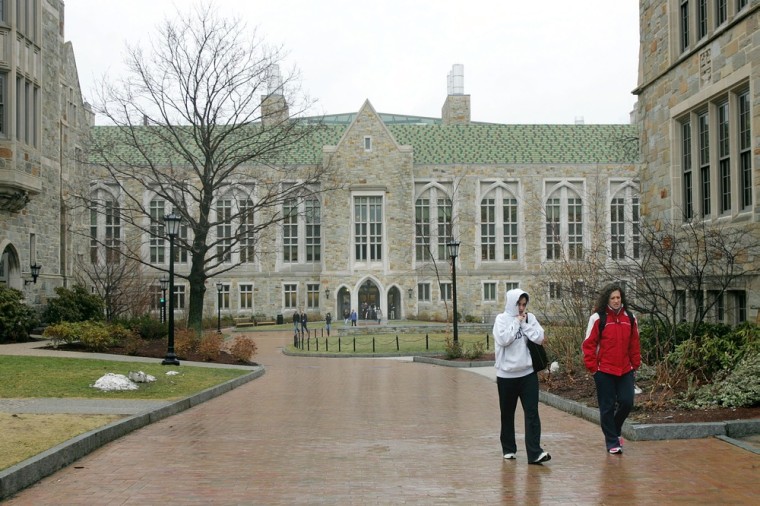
{"x": 612, "y": 358}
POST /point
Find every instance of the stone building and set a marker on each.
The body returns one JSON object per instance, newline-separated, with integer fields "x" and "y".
{"x": 43, "y": 123}
{"x": 514, "y": 196}
{"x": 698, "y": 96}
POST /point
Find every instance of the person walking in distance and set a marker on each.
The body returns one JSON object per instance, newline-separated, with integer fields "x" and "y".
{"x": 515, "y": 377}
{"x": 353, "y": 318}
{"x": 328, "y": 321}
{"x": 296, "y": 322}
{"x": 612, "y": 353}
{"x": 304, "y": 325}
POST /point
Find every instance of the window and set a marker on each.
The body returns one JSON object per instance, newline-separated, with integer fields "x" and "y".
{"x": 290, "y": 293}
{"x": 684, "y": 24}
{"x": 704, "y": 162}
{"x": 367, "y": 143}
{"x": 224, "y": 230}
{"x": 555, "y": 290}
{"x": 246, "y": 296}
{"x": 312, "y": 295}
{"x": 431, "y": 237}
{"x": 368, "y": 228}
{"x": 489, "y": 291}
{"x": 302, "y": 230}
{"x": 625, "y": 229}
{"x": 511, "y": 285}
{"x": 224, "y": 296}
{"x": 179, "y": 296}
{"x": 740, "y": 4}
{"x": 745, "y": 151}
{"x": 498, "y": 225}
{"x": 680, "y": 298}
{"x": 721, "y": 12}
{"x": 701, "y": 19}
{"x": 313, "y": 230}
{"x": 27, "y": 111}
{"x": 290, "y": 231}
{"x": 423, "y": 292}
{"x": 2, "y": 102}
{"x": 564, "y": 224}
{"x": 737, "y": 305}
{"x": 688, "y": 183}
{"x": 155, "y": 297}
{"x": 105, "y": 227}
{"x": 247, "y": 238}
{"x": 726, "y": 169}
{"x": 724, "y": 159}
{"x": 445, "y": 291}
{"x": 157, "y": 234}
{"x": 718, "y": 309}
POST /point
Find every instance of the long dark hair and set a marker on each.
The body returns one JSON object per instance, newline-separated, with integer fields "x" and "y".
{"x": 604, "y": 296}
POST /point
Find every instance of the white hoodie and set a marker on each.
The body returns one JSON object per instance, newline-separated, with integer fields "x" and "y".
{"x": 509, "y": 334}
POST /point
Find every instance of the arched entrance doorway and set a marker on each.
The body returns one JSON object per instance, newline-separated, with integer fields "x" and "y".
{"x": 369, "y": 300}
{"x": 394, "y": 304}
{"x": 344, "y": 303}
{"x": 10, "y": 267}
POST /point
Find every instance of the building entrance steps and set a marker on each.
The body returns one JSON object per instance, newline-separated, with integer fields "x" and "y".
{"x": 383, "y": 431}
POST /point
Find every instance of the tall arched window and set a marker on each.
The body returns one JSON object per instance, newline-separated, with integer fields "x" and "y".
{"x": 432, "y": 220}
{"x": 624, "y": 221}
{"x": 564, "y": 223}
{"x": 302, "y": 230}
{"x": 498, "y": 224}
{"x": 105, "y": 226}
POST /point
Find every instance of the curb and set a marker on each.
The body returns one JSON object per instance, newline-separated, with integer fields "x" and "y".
{"x": 33, "y": 469}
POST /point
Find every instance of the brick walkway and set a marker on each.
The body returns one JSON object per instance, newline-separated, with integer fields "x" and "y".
{"x": 379, "y": 431}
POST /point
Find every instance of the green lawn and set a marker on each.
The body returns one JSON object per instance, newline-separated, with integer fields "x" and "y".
{"x": 72, "y": 377}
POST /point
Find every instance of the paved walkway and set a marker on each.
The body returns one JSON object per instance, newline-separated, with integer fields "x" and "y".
{"x": 380, "y": 431}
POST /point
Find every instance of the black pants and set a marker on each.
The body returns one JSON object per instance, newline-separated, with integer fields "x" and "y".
{"x": 526, "y": 389}
{"x": 615, "y": 396}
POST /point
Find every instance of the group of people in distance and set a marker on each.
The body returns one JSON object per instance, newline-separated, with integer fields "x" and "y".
{"x": 611, "y": 353}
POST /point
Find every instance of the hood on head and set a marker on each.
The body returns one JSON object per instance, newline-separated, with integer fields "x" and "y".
{"x": 512, "y": 297}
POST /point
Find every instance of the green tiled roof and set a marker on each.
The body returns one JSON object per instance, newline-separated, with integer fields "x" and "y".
{"x": 475, "y": 143}
{"x": 480, "y": 143}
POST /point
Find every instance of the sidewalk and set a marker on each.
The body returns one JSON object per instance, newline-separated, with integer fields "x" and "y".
{"x": 377, "y": 431}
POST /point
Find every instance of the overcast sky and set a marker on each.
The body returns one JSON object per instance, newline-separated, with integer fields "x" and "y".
{"x": 524, "y": 62}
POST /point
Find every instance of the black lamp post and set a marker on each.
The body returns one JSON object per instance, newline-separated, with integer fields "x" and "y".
{"x": 172, "y": 229}
{"x": 453, "y": 247}
{"x": 164, "y": 285}
{"x": 219, "y": 287}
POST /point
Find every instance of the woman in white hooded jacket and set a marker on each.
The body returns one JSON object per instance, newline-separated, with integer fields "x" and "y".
{"x": 515, "y": 377}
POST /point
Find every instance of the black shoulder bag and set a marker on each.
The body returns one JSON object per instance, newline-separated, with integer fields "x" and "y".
{"x": 537, "y": 354}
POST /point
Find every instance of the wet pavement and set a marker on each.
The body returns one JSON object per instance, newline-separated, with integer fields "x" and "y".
{"x": 383, "y": 431}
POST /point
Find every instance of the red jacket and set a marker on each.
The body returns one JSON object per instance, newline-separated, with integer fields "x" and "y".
{"x": 618, "y": 351}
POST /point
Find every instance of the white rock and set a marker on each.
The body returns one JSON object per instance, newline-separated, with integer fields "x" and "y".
{"x": 172, "y": 373}
{"x": 554, "y": 367}
{"x": 111, "y": 381}
{"x": 636, "y": 389}
{"x": 141, "y": 377}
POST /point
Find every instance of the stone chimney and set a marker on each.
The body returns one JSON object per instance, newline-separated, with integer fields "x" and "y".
{"x": 456, "y": 109}
{"x": 274, "y": 108}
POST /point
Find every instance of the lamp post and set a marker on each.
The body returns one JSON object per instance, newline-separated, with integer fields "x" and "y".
{"x": 35, "y": 270}
{"x": 172, "y": 229}
{"x": 219, "y": 287}
{"x": 164, "y": 285}
{"x": 453, "y": 247}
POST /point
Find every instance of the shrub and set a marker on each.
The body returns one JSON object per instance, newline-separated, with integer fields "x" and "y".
{"x": 735, "y": 388}
{"x": 210, "y": 345}
{"x": 452, "y": 350}
{"x": 96, "y": 336}
{"x": 16, "y": 318}
{"x": 475, "y": 351}
{"x": 186, "y": 342}
{"x": 715, "y": 348}
{"x": 243, "y": 348}
{"x": 74, "y": 305}
{"x": 149, "y": 328}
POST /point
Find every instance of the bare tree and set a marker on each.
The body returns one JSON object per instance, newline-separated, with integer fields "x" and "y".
{"x": 695, "y": 258}
{"x": 203, "y": 114}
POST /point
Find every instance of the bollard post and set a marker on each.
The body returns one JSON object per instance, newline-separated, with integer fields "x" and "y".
{"x": 316, "y": 342}
{"x": 327, "y": 348}
{"x": 486, "y": 341}
{"x": 338, "y": 344}
{"x": 427, "y": 344}
{"x": 397, "y": 348}
{"x": 354, "y": 345}
{"x": 373, "y": 344}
